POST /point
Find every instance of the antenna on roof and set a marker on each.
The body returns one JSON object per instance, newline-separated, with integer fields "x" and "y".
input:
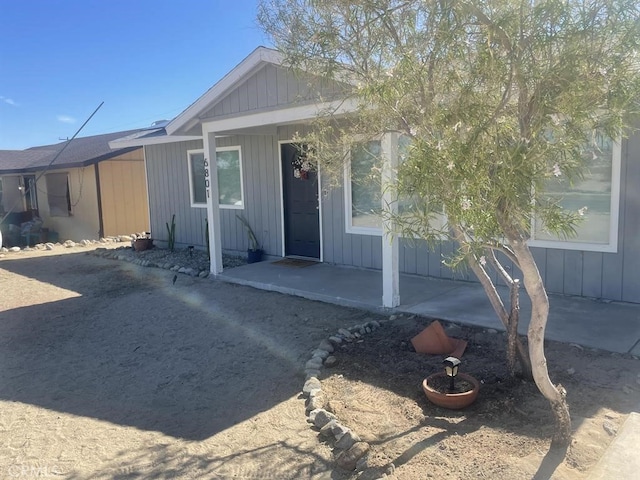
{"x": 26, "y": 190}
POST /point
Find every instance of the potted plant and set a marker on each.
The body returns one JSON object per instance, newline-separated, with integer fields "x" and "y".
{"x": 143, "y": 242}
{"x": 450, "y": 389}
{"x": 254, "y": 252}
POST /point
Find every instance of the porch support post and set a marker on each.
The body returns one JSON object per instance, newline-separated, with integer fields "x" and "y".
{"x": 213, "y": 206}
{"x": 390, "y": 252}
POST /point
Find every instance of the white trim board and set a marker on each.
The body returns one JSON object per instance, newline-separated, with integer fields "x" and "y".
{"x": 279, "y": 116}
{"x": 189, "y": 117}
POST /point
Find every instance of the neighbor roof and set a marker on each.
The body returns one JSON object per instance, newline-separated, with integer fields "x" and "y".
{"x": 80, "y": 152}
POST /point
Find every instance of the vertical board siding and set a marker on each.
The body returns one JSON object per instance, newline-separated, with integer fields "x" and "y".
{"x": 168, "y": 180}
{"x": 631, "y": 231}
{"x": 572, "y": 272}
{"x": 123, "y": 193}
{"x": 272, "y": 86}
{"x": 592, "y": 274}
{"x": 614, "y": 276}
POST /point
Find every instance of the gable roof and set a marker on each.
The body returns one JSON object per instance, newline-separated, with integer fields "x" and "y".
{"x": 189, "y": 117}
{"x": 80, "y": 152}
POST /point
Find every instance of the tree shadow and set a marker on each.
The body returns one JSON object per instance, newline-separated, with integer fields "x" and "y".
{"x": 129, "y": 347}
{"x": 279, "y": 460}
{"x": 386, "y": 362}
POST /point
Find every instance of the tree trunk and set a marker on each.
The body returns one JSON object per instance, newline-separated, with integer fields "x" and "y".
{"x": 539, "y": 315}
{"x": 497, "y": 304}
{"x": 512, "y": 329}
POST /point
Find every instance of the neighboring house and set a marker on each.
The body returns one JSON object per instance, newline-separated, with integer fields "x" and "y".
{"x": 88, "y": 192}
{"x": 249, "y": 119}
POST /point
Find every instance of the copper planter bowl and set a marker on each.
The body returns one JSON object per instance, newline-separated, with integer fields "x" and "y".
{"x": 454, "y": 401}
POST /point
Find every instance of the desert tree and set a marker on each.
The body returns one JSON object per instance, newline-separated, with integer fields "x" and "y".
{"x": 495, "y": 102}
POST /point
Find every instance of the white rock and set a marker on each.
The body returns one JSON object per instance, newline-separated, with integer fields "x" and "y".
{"x": 311, "y": 385}
{"x": 14, "y": 249}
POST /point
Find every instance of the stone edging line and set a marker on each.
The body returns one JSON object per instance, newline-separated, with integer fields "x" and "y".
{"x": 353, "y": 450}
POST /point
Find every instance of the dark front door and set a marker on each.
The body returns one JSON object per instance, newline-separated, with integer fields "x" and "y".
{"x": 300, "y": 200}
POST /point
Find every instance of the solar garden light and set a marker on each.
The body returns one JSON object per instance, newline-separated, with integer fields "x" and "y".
{"x": 190, "y": 247}
{"x": 451, "y": 365}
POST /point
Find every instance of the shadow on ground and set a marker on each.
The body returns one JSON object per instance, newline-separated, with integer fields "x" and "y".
{"x": 188, "y": 360}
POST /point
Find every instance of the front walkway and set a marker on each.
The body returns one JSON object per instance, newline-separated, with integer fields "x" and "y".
{"x": 612, "y": 326}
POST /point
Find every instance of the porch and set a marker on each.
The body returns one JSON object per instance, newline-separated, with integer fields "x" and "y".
{"x": 612, "y": 326}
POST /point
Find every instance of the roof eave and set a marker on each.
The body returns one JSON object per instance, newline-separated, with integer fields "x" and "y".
{"x": 141, "y": 142}
{"x": 189, "y": 117}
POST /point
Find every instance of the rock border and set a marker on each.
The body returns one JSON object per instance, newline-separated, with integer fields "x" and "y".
{"x": 69, "y": 244}
{"x": 127, "y": 255}
{"x": 352, "y": 451}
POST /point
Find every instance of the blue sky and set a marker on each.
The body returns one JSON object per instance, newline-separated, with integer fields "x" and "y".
{"x": 147, "y": 60}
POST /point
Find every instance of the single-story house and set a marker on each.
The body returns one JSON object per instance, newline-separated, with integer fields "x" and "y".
{"x": 81, "y": 189}
{"x": 230, "y": 153}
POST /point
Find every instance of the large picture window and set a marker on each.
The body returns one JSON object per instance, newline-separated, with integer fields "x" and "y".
{"x": 58, "y": 195}
{"x": 596, "y": 197}
{"x": 230, "y": 190}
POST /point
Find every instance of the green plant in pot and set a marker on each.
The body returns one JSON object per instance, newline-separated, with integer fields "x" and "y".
{"x": 254, "y": 252}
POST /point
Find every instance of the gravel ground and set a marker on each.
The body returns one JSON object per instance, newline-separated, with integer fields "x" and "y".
{"x": 109, "y": 370}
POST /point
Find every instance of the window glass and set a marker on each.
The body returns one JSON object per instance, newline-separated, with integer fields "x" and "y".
{"x": 366, "y": 194}
{"x": 590, "y": 196}
{"x": 198, "y": 188}
{"x": 58, "y": 195}
{"x": 229, "y": 178}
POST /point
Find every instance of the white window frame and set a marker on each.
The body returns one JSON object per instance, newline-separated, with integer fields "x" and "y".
{"x": 190, "y": 170}
{"x": 348, "y": 205}
{"x": 612, "y": 246}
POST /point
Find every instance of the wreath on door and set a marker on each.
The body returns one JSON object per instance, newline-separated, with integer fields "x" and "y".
{"x": 301, "y": 167}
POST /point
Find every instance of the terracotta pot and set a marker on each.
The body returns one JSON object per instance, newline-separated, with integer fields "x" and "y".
{"x": 433, "y": 340}
{"x": 454, "y": 401}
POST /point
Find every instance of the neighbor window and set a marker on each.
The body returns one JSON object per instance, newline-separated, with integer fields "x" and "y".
{"x": 58, "y": 195}
{"x": 596, "y": 197}
{"x": 229, "y": 161}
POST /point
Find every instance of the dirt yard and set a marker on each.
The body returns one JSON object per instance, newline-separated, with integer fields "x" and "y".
{"x": 110, "y": 370}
